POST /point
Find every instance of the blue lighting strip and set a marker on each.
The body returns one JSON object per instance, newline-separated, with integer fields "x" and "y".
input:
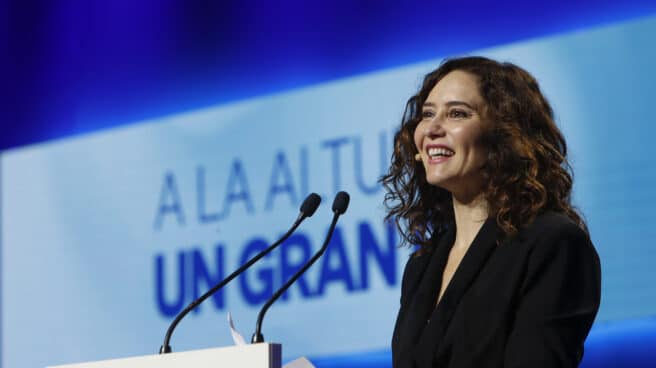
{"x": 75, "y": 70}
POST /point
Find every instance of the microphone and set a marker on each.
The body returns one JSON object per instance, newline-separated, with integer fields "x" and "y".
{"x": 340, "y": 204}
{"x": 308, "y": 207}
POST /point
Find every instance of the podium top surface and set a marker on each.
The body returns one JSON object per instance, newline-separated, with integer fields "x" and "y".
{"x": 263, "y": 355}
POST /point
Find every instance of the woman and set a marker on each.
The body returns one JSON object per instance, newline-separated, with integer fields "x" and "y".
{"x": 505, "y": 274}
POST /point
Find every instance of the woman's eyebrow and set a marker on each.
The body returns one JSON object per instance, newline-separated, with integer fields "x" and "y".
{"x": 456, "y": 103}
{"x": 450, "y": 103}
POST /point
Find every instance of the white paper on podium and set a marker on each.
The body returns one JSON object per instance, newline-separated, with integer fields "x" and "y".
{"x": 302, "y": 362}
{"x": 237, "y": 338}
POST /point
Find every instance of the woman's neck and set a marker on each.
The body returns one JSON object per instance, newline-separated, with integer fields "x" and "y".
{"x": 469, "y": 217}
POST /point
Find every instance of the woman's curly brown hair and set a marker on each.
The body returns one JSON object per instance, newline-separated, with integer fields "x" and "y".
{"x": 526, "y": 172}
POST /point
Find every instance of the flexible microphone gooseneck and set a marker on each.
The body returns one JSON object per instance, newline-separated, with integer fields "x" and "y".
{"x": 309, "y": 206}
{"x": 340, "y": 204}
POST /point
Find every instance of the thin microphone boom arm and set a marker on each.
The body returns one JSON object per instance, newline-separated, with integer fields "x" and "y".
{"x": 308, "y": 208}
{"x": 339, "y": 207}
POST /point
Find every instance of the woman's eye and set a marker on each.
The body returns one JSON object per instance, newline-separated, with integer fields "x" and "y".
{"x": 457, "y": 114}
{"x": 427, "y": 114}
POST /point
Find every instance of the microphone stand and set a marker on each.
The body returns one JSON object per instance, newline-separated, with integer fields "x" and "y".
{"x": 307, "y": 209}
{"x": 339, "y": 207}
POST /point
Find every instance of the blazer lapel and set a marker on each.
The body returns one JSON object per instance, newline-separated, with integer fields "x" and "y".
{"x": 420, "y": 305}
{"x": 431, "y": 339}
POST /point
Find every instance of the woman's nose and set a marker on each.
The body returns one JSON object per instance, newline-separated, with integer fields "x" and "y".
{"x": 434, "y": 128}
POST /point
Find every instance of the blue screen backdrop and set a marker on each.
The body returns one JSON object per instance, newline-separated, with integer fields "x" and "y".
{"x": 150, "y": 147}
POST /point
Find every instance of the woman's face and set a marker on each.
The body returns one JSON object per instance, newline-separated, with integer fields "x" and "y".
{"x": 448, "y": 137}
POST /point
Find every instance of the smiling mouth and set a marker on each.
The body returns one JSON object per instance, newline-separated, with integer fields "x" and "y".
{"x": 439, "y": 153}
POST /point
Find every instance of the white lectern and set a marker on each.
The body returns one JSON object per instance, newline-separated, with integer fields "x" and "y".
{"x": 245, "y": 356}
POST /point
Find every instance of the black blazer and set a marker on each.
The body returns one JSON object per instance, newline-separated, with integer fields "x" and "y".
{"x": 526, "y": 302}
